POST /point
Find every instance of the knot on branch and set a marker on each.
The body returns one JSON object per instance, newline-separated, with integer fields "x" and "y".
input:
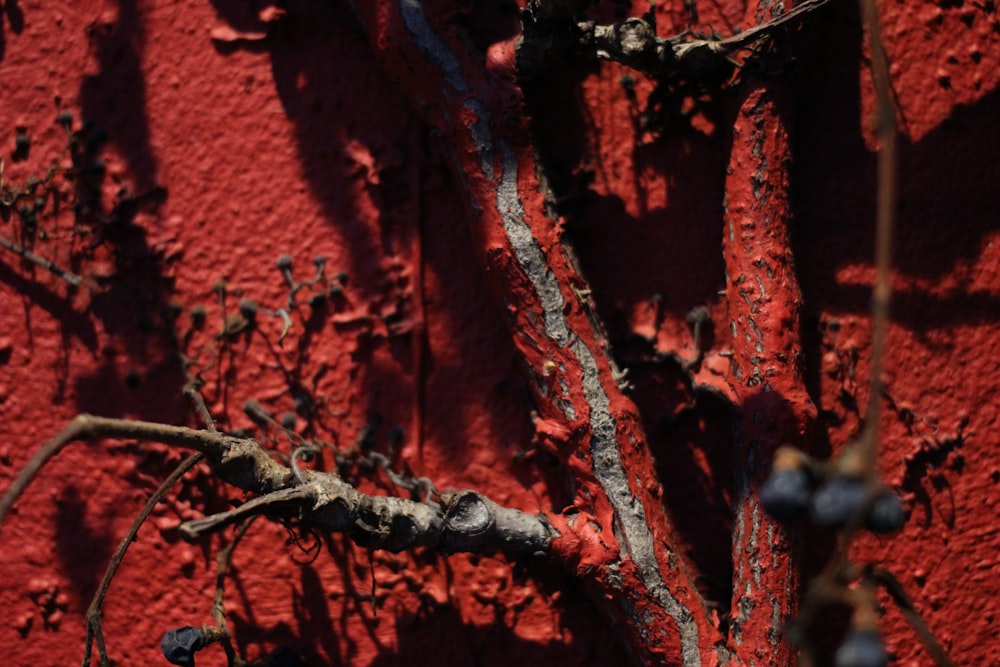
{"x": 636, "y": 38}
{"x": 632, "y": 42}
{"x": 467, "y": 517}
{"x": 393, "y": 524}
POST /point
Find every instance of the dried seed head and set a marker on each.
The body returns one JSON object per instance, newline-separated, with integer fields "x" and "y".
{"x": 249, "y": 309}
{"x": 198, "y": 316}
{"x": 65, "y": 118}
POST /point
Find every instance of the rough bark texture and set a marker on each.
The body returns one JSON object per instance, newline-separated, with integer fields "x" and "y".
{"x": 399, "y": 148}
{"x": 764, "y": 306}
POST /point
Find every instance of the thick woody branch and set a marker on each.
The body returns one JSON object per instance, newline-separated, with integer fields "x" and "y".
{"x": 616, "y": 534}
{"x": 634, "y": 43}
{"x": 463, "y": 521}
{"x": 764, "y": 300}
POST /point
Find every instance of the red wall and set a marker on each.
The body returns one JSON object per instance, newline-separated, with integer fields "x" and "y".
{"x": 286, "y": 137}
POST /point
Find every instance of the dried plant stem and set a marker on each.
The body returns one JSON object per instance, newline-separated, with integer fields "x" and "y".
{"x": 463, "y": 521}
{"x": 634, "y": 43}
{"x": 222, "y": 561}
{"x": 885, "y": 132}
{"x": 912, "y": 616}
{"x": 38, "y": 260}
{"x": 94, "y": 610}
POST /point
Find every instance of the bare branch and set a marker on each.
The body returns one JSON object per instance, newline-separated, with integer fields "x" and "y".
{"x": 38, "y": 260}
{"x": 634, "y": 43}
{"x": 464, "y": 521}
{"x": 617, "y": 533}
{"x": 94, "y": 610}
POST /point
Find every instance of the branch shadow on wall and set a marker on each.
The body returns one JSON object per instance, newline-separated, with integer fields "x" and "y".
{"x": 368, "y": 162}
{"x": 945, "y": 203}
{"x": 130, "y": 303}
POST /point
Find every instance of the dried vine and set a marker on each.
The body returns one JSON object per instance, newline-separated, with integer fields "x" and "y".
{"x": 615, "y": 535}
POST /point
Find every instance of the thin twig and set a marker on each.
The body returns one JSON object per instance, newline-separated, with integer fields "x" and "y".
{"x": 94, "y": 610}
{"x": 885, "y": 131}
{"x": 222, "y": 561}
{"x": 46, "y": 264}
{"x": 272, "y": 503}
{"x": 199, "y": 405}
{"x": 88, "y": 427}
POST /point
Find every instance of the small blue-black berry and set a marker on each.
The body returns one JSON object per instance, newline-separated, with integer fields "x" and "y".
{"x": 887, "y": 513}
{"x": 861, "y": 648}
{"x": 179, "y": 645}
{"x": 785, "y": 494}
{"x": 836, "y": 501}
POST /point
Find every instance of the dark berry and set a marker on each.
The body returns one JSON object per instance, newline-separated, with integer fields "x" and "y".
{"x": 785, "y": 494}
{"x": 836, "y": 501}
{"x": 285, "y": 262}
{"x": 65, "y": 118}
{"x": 288, "y": 421}
{"x": 180, "y": 644}
{"x": 887, "y": 514}
{"x": 861, "y": 648}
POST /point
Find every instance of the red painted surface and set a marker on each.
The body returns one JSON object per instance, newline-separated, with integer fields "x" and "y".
{"x": 282, "y": 133}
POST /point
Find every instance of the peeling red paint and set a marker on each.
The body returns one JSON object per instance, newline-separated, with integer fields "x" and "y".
{"x": 281, "y": 134}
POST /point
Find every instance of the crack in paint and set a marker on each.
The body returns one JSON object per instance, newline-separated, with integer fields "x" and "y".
{"x": 611, "y": 473}
{"x": 528, "y": 252}
{"x": 637, "y": 539}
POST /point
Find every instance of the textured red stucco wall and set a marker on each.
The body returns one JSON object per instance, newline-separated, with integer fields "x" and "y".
{"x": 285, "y": 136}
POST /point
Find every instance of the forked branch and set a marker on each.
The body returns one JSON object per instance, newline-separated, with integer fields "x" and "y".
{"x": 462, "y": 521}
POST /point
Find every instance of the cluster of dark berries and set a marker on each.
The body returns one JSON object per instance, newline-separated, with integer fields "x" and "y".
{"x": 830, "y": 496}
{"x": 838, "y": 494}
